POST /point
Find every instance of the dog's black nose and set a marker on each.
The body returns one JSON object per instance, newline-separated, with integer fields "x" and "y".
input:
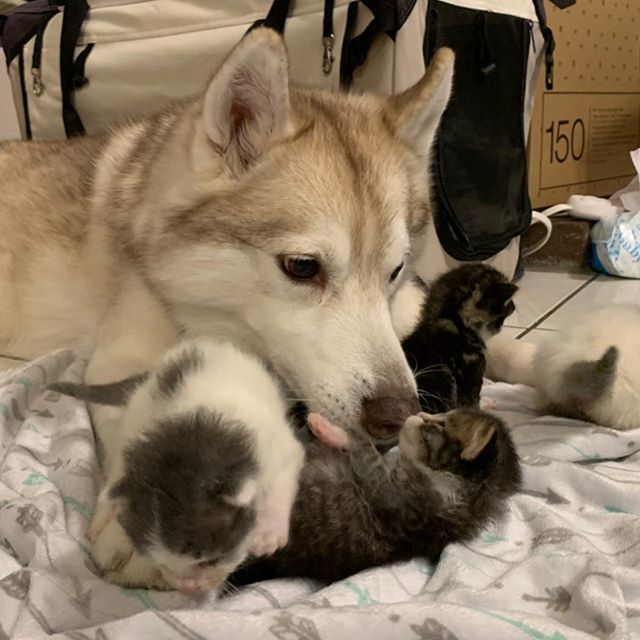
{"x": 384, "y": 413}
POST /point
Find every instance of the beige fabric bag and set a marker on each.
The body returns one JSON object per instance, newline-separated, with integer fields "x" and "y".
{"x": 131, "y": 57}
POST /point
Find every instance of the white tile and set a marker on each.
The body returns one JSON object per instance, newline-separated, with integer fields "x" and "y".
{"x": 601, "y": 292}
{"x": 539, "y": 292}
{"x": 511, "y": 332}
{"x": 535, "y": 335}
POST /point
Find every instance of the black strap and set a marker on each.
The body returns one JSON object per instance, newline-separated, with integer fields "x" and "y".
{"x": 75, "y": 11}
{"x": 346, "y": 66}
{"x": 79, "y": 77}
{"x": 276, "y": 18}
{"x": 549, "y": 43}
{"x": 19, "y": 26}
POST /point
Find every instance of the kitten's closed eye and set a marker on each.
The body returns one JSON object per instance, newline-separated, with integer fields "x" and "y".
{"x": 210, "y": 562}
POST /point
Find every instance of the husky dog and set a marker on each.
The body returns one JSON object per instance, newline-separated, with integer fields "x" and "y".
{"x": 282, "y": 220}
{"x": 205, "y": 469}
{"x": 588, "y": 370}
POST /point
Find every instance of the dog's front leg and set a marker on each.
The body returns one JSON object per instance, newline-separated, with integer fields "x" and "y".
{"x": 134, "y": 334}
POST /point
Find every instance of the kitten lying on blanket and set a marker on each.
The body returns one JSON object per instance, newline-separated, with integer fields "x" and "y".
{"x": 447, "y": 349}
{"x": 357, "y": 509}
{"x": 588, "y": 370}
{"x": 207, "y": 472}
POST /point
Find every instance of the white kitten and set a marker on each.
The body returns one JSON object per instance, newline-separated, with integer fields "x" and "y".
{"x": 203, "y": 472}
{"x": 590, "y": 369}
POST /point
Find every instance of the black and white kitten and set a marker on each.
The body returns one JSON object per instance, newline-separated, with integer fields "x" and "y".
{"x": 463, "y": 308}
{"x": 357, "y": 509}
{"x": 204, "y": 469}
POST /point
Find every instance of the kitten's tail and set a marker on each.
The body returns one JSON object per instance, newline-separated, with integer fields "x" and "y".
{"x": 113, "y": 394}
{"x": 510, "y": 360}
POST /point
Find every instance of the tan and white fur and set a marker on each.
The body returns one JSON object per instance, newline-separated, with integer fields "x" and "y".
{"x": 183, "y": 224}
{"x": 203, "y": 376}
{"x": 589, "y": 369}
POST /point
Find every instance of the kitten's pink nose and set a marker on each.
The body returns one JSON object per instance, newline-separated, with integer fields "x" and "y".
{"x": 384, "y": 414}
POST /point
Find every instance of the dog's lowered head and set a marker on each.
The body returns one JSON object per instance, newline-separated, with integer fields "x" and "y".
{"x": 290, "y": 221}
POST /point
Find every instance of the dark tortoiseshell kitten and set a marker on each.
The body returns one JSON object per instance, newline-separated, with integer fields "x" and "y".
{"x": 464, "y": 307}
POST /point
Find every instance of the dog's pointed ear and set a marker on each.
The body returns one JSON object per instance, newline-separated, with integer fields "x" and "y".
{"x": 416, "y": 112}
{"x": 246, "y": 107}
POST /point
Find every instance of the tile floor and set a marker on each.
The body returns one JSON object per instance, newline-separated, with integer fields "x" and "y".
{"x": 546, "y": 301}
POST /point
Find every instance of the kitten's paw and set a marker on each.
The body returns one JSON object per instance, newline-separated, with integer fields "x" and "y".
{"x": 432, "y": 418}
{"x": 140, "y": 573}
{"x": 271, "y": 533}
{"x": 488, "y": 404}
{"x": 112, "y": 548}
{"x": 104, "y": 514}
{"x": 328, "y": 433}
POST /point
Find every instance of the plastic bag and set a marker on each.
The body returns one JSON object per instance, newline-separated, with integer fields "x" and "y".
{"x": 615, "y": 247}
{"x": 615, "y": 240}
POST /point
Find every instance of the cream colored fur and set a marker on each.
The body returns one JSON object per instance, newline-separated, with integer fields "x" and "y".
{"x": 584, "y": 339}
{"x": 177, "y": 224}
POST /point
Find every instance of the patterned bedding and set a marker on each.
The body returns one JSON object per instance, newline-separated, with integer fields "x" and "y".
{"x": 563, "y": 564}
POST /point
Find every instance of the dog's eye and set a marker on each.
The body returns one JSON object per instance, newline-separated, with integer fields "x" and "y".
{"x": 300, "y": 267}
{"x": 396, "y": 272}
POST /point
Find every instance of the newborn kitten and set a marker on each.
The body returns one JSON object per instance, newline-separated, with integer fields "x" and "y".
{"x": 588, "y": 370}
{"x": 207, "y": 469}
{"x": 357, "y": 509}
{"x": 447, "y": 349}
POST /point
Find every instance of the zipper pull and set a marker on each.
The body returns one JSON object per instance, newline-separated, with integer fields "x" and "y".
{"x": 37, "y": 85}
{"x": 532, "y": 36}
{"x": 327, "y": 54}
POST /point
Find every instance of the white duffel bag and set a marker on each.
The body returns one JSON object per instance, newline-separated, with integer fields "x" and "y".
{"x": 78, "y": 66}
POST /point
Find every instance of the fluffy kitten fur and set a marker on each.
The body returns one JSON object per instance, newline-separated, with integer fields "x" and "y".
{"x": 208, "y": 464}
{"x": 463, "y": 308}
{"x": 589, "y": 370}
{"x": 358, "y": 509}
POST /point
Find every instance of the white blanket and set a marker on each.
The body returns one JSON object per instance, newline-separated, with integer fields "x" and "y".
{"x": 563, "y": 564}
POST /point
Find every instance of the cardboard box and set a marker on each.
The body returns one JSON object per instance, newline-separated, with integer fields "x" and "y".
{"x": 583, "y": 130}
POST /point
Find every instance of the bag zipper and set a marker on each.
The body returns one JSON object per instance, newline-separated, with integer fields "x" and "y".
{"x": 36, "y": 60}
{"x": 328, "y": 38}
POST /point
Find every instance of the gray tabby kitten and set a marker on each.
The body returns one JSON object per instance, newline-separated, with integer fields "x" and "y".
{"x": 356, "y": 509}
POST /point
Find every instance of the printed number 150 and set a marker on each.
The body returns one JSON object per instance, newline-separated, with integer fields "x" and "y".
{"x": 566, "y": 139}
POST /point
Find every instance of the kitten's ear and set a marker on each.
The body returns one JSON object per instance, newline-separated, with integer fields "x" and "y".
{"x": 506, "y": 290}
{"x": 474, "y": 432}
{"x": 119, "y": 490}
{"x": 417, "y": 111}
{"x": 589, "y": 379}
{"x": 246, "y": 107}
{"x": 245, "y": 495}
